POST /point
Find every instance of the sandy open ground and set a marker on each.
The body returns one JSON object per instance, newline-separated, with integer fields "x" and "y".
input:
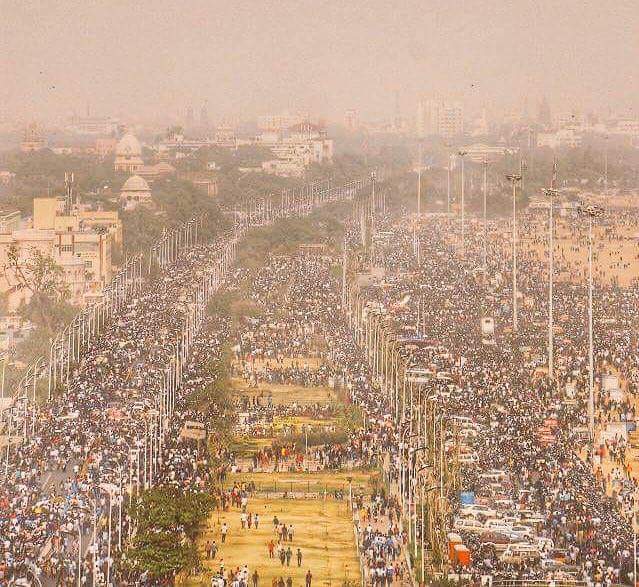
{"x": 323, "y": 530}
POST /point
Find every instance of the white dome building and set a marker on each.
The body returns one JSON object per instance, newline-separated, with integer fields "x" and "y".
{"x": 128, "y": 154}
{"x": 135, "y": 191}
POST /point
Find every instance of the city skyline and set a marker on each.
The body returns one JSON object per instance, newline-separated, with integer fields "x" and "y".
{"x": 148, "y": 61}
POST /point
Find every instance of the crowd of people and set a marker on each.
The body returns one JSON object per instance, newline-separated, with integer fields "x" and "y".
{"x": 99, "y": 441}
{"x": 95, "y": 445}
{"x": 503, "y": 389}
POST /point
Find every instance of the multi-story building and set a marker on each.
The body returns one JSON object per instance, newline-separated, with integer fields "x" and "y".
{"x": 440, "y": 118}
{"x": 305, "y": 144}
{"x": 10, "y": 221}
{"x": 93, "y": 125}
{"x": 563, "y": 138}
{"x": 135, "y": 192}
{"x": 32, "y": 139}
{"x": 351, "y": 119}
{"x": 79, "y": 241}
{"x": 128, "y": 155}
{"x": 279, "y": 122}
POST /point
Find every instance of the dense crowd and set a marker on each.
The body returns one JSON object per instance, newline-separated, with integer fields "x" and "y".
{"x": 523, "y": 423}
{"x": 101, "y": 435}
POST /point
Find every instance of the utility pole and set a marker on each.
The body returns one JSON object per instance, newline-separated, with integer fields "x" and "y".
{"x": 485, "y": 190}
{"x": 344, "y": 275}
{"x": 462, "y": 154}
{"x": 419, "y": 181}
{"x": 448, "y": 186}
{"x": 592, "y": 212}
{"x": 514, "y": 178}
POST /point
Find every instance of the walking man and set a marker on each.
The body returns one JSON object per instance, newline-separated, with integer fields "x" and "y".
{"x": 224, "y": 531}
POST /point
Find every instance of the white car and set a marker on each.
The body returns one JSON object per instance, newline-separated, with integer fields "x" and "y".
{"x": 523, "y": 531}
{"x": 471, "y": 525}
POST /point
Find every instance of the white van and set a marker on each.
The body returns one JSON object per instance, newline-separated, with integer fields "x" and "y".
{"x": 520, "y": 552}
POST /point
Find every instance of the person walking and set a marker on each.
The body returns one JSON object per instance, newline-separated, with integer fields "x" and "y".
{"x": 271, "y": 548}
{"x": 289, "y": 556}
{"x": 308, "y": 578}
{"x": 299, "y": 557}
{"x": 255, "y": 578}
{"x": 282, "y": 556}
{"x": 289, "y": 582}
{"x": 224, "y": 531}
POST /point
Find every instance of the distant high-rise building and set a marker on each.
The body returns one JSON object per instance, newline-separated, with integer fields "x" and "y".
{"x": 440, "y": 118}
{"x": 351, "y": 119}
{"x": 32, "y": 139}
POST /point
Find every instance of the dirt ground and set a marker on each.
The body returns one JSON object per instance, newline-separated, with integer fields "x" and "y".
{"x": 323, "y": 531}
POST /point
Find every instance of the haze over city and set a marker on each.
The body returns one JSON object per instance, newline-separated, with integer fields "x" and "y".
{"x": 247, "y": 58}
{"x": 319, "y": 294}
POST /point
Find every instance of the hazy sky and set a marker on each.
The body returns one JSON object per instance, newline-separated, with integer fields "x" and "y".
{"x": 152, "y": 58}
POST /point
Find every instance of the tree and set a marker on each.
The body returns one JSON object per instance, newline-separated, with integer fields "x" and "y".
{"x": 167, "y": 521}
{"x": 44, "y": 279}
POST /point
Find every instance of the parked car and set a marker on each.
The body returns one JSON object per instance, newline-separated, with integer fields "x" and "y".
{"x": 519, "y": 552}
{"x": 495, "y": 539}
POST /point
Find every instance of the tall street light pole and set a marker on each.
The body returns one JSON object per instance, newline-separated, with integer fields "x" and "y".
{"x": 462, "y": 154}
{"x": 550, "y": 193}
{"x": 514, "y": 178}
{"x": 419, "y": 180}
{"x": 448, "y": 185}
{"x": 606, "y": 163}
{"x": 592, "y": 212}
{"x": 485, "y": 190}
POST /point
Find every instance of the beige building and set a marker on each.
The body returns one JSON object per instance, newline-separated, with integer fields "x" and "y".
{"x": 32, "y": 139}
{"x": 128, "y": 154}
{"x": 79, "y": 242}
{"x": 135, "y": 192}
{"x": 440, "y": 118}
{"x": 10, "y": 221}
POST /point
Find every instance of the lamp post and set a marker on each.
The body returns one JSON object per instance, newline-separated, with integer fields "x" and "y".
{"x": 462, "y": 154}
{"x": 485, "y": 190}
{"x": 606, "y": 163}
{"x": 448, "y": 185}
{"x": 419, "y": 180}
{"x": 592, "y": 212}
{"x": 514, "y": 178}
{"x": 550, "y": 193}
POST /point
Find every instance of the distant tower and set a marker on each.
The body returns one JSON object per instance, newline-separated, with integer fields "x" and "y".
{"x": 204, "y": 116}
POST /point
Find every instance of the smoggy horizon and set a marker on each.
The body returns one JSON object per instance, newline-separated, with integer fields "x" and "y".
{"x": 152, "y": 60}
